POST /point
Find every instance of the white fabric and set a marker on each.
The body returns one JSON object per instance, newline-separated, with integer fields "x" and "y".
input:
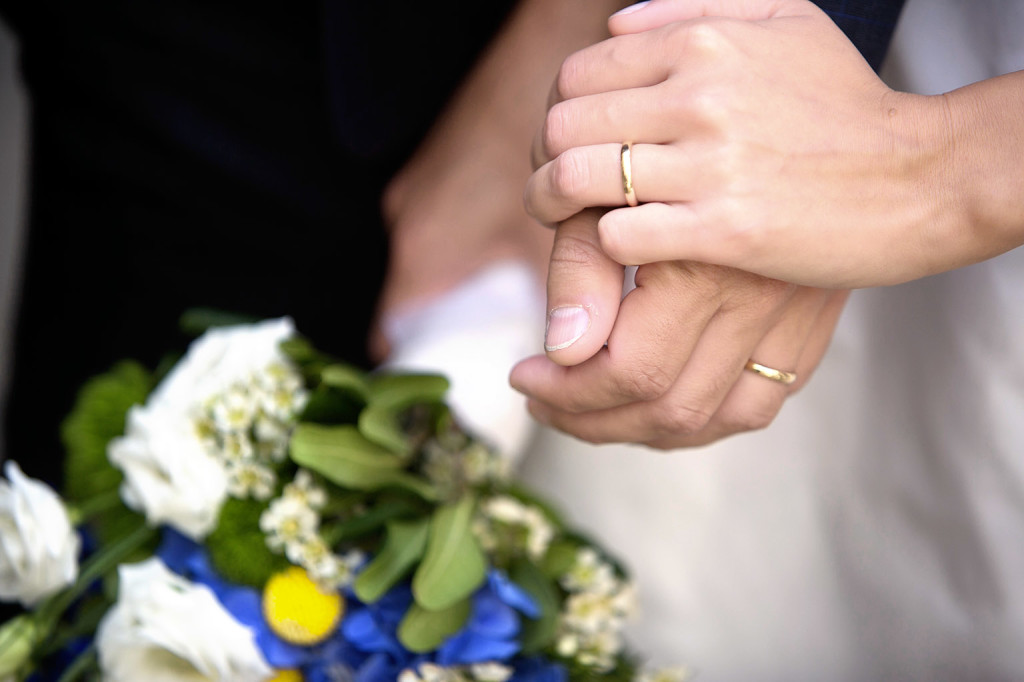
{"x": 474, "y": 334}
{"x": 876, "y": 529}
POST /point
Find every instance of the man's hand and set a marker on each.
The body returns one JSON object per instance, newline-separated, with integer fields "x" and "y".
{"x": 671, "y": 374}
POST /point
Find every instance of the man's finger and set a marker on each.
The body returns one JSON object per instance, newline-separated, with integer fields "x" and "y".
{"x": 584, "y": 291}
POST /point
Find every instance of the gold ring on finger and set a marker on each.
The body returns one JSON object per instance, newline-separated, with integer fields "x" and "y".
{"x": 626, "y": 163}
{"x": 778, "y": 375}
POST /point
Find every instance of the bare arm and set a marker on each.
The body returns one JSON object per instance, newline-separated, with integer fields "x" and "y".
{"x": 457, "y": 204}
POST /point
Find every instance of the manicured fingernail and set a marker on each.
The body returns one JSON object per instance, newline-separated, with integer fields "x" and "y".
{"x": 565, "y": 326}
{"x": 632, "y": 8}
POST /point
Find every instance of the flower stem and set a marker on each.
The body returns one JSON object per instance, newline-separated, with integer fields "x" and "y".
{"x": 98, "y": 565}
{"x": 83, "y": 512}
{"x": 78, "y": 667}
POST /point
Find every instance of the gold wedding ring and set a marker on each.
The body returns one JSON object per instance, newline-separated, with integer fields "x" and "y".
{"x": 626, "y": 162}
{"x": 770, "y": 373}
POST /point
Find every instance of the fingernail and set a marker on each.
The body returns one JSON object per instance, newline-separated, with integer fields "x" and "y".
{"x": 565, "y": 326}
{"x": 632, "y": 8}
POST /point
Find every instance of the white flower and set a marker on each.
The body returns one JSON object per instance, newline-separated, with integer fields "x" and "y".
{"x": 305, "y": 490}
{"x": 38, "y": 546}
{"x": 491, "y": 672}
{"x": 288, "y": 523}
{"x": 247, "y": 478}
{"x": 164, "y": 628}
{"x": 170, "y": 475}
{"x": 535, "y": 531}
{"x": 590, "y": 573}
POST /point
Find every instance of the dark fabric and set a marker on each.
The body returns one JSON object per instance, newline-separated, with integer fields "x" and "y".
{"x": 867, "y": 23}
{"x": 195, "y": 153}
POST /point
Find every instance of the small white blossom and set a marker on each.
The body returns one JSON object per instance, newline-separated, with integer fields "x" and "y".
{"x": 599, "y": 650}
{"x": 594, "y": 613}
{"x": 327, "y": 569}
{"x": 233, "y": 411}
{"x": 247, "y": 478}
{"x": 590, "y": 573}
{"x": 287, "y": 522}
{"x": 305, "y": 490}
{"x": 507, "y": 521}
{"x": 490, "y": 672}
{"x": 590, "y": 612}
{"x": 234, "y": 446}
{"x": 38, "y": 546}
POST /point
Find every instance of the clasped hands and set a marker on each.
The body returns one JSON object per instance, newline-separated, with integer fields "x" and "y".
{"x": 763, "y": 159}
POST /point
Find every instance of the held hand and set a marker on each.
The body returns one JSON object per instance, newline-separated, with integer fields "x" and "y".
{"x": 761, "y": 140}
{"x": 672, "y": 372}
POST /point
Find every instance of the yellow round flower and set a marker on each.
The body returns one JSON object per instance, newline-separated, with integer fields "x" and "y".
{"x": 287, "y": 675}
{"x": 297, "y": 610}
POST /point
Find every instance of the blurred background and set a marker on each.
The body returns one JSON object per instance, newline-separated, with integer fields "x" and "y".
{"x": 13, "y": 116}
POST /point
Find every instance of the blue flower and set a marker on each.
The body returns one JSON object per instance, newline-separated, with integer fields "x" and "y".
{"x": 538, "y": 669}
{"x": 189, "y": 559}
{"x": 494, "y": 624}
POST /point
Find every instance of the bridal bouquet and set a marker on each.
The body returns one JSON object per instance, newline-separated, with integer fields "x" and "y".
{"x": 261, "y": 511}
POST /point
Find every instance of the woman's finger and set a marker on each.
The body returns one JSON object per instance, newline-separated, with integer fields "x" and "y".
{"x": 595, "y": 176}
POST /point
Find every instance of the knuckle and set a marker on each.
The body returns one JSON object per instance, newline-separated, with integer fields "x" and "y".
{"x": 571, "y": 253}
{"x": 644, "y": 382}
{"x": 709, "y": 106}
{"x": 708, "y": 36}
{"x": 680, "y": 419}
{"x": 753, "y": 416}
{"x": 570, "y": 173}
{"x": 557, "y": 129}
{"x": 570, "y": 74}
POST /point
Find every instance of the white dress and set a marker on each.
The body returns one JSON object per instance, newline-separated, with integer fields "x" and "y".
{"x": 876, "y": 529}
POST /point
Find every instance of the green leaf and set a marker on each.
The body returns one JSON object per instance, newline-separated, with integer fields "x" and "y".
{"x": 454, "y": 565}
{"x": 344, "y": 456}
{"x": 98, "y": 416}
{"x": 422, "y": 630}
{"x": 197, "y": 321}
{"x": 299, "y": 350}
{"x": 405, "y": 544}
{"x": 399, "y": 391}
{"x": 559, "y": 558}
{"x": 381, "y": 425}
{"x": 540, "y": 632}
{"x": 385, "y": 508}
{"x": 346, "y": 378}
{"x": 238, "y": 548}
{"x": 328, "y": 405}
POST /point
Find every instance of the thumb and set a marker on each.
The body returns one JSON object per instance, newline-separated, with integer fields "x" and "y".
{"x": 644, "y": 16}
{"x": 584, "y": 291}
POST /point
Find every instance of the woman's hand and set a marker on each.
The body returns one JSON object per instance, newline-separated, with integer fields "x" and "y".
{"x": 762, "y": 140}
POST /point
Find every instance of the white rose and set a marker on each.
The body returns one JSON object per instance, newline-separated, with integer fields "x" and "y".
{"x": 38, "y": 546}
{"x": 169, "y": 474}
{"x": 165, "y": 628}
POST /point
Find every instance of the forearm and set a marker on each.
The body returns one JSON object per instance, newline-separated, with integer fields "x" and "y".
{"x": 502, "y": 101}
{"x": 458, "y": 205}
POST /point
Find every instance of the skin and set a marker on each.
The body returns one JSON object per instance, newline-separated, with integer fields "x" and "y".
{"x": 752, "y": 155}
{"x": 664, "y": 366}
{"x": 464, "y": 184}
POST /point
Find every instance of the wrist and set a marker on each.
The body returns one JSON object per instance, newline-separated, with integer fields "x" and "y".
{"x": 975, "y": 181}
